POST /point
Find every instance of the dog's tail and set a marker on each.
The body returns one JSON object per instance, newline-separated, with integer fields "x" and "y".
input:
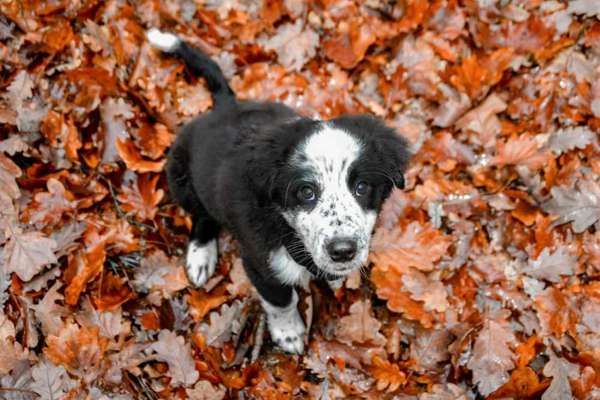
{"x": 199, "y": 63}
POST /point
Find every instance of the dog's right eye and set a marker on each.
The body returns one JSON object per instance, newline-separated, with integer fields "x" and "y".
{"x": 306, "y": 193}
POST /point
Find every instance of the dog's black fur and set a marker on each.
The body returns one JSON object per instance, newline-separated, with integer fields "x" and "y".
{"x": 229, "y": 168}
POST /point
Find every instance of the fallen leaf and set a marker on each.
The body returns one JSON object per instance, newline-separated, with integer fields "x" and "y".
{"x": 50, "y": 381}
{"x": 560, "y": 371}
{"x": 49, "y": 313}
{"x": 418, "y": 246}
{"x": 222, "y": 325}
{"x": 580, "y": 205}
{"x": 430, "y": 291}
{"x": 294, "y": 44}
{"x": 141, "y": 197}
{"x": 28, "y": 253}
{"x": 134, "y": 161}
{"x": 389, "y": 376}
{"x": 360, "y": 326}
{"x": 173, "y": 350}
{"x": 492, "y": 356}
{"x": 551, "y": 266}
{"x": 80, "y": 350}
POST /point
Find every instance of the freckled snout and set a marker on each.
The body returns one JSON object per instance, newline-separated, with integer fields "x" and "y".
{"x": 341, "y": 249}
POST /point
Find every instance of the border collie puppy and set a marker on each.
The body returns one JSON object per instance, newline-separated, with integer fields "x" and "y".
{"x": 300, "y": 195}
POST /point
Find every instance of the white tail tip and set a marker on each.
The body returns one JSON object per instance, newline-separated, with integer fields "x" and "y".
{"x": 163, "y": 41}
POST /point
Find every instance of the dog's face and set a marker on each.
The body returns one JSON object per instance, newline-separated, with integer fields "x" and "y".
{"x": 333, "y": 185}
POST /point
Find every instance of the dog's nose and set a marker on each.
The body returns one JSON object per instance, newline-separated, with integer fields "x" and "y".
{"x": 341, "y": 250}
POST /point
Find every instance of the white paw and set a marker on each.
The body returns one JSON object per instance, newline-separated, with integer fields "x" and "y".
{"x": 287, "y": 332}
{"x": 285, "y": 325}
{"x": 201, "y": 261}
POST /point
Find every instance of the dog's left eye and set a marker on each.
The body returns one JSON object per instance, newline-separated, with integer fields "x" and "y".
{"x": 306, "y": 193}
{"x": 362, "y": 188}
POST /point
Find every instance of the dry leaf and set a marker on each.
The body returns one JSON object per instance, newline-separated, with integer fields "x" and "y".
{"x": 388, "y": 375}
{"x": 28, "y": 253}
{"x": 293, "y": 43}
{"x": 581, "y": 205}
{"x": 50, "y": 381}
{"x": 551, "y": 266}
{"x": 222, "y": 325}
{"x": 492, "y": 356}
{"x": 173, "y": 350}
{"x": 80, "y": 350}
{"x": 360, "y": 326}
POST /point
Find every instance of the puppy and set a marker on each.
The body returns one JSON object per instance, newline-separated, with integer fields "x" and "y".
{"x": 300, "y": 195}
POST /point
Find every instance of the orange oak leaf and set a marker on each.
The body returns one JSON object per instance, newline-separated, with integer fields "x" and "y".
{"x": 134, "y": 161}
{"x": 389, "y": 377}
{"x": 201, "y": 303}
{"x": 142, "y": 197}
{"x": 87, "y": 265}
{"x": 80, "y": 350}
{"x": 416, "y": 245}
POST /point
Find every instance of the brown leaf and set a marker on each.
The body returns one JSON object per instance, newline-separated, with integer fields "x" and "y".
{"x": 142, "y": 197}
{"x": 492, "y": 356}
{"x": 87, "y": 266}
{"x": 80, "y": 350}
{"x": 28, "y": 253}
{"x": 389, "y": 376}
{"x": 49, "y": 313}
{"x": 416, "y": 245}
{"x": 49, "y": 207}
{"x": 8, "y": 172}
{"x": 134, "y": 161}
{"x": 430, "y": 348}
{"x": 360, "y": 326}
{"x": 173, "y": 350}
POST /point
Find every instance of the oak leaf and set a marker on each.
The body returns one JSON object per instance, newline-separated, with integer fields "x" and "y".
{"x": 560, "y": 370}
{"x": 49, "y": 207}
{"x": 204, "y": 390}
{"x": 580, "y": 205}
{"x": 430, "y": 348}
{"x": 568, "y": 139}
{"x": 419, "y": 246}
{"x": 80, "y": 350}
{"x": 492, "y": 356}
{"x": 134, "y": 161}
{"x": 360, "y": 326}
{"x": 87, "y": 266}
{"x": 8, "y": 172}
{"x": 28, "y": 253}
{"x": 49, "y": 313}
{"x": 430, "y": 291}
{"x": 551, "y": 266}
{"x": 159, "y": 273}
{"x": 173, "y": 350}
{"x": 141, "y": 197}
{"x": 222, "y": 325}
{"x": 294, "y": 44}
{"x": 11, "y": 354}
{"x": 389, "y": 376}
{"x": 50, "y": 382}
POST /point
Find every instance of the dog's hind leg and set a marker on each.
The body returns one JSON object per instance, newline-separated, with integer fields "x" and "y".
{"x": 202, "y": 254}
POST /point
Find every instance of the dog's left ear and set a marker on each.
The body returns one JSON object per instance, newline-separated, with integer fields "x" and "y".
{"x": 395, "y": 154}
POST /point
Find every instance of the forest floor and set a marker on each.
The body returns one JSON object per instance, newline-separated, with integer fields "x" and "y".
{"x": 485, "y": 276}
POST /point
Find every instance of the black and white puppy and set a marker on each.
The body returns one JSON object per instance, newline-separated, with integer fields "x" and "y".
{"x": 300, "y": 195}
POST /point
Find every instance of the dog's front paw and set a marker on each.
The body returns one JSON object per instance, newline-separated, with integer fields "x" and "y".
{"x": 201, "y": 260}
{"x": 287, "y": 331}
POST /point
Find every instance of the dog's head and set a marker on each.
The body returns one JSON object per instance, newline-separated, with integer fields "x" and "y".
{"x": 330, "y": 182}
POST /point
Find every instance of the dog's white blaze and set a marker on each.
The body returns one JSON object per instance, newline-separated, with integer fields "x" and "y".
{"x": 286, "y": 269}
{"x": 163, "y": 41}
{"x": 201, "y": 261}
{"x": 285, "y": 325}
{"x": 329, "y": 154}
